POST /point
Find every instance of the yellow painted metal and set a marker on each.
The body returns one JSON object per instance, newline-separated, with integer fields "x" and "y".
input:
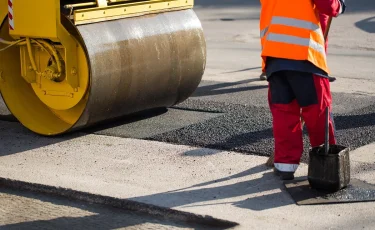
{"x": 18, "y": 94}
{"x": 26, "y": 71}
{"x": 111, "y": 12}
{"x": 3, "y": 9}
{"x": 59, "y": 95}
{"x": 36, "y": 19}
{"x": 70, "y": 45}
{"x": 46, "y": 106}
{"x": 40, "y": 19}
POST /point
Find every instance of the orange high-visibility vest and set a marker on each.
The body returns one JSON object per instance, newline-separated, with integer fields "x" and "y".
{"x": 291, "y": 29}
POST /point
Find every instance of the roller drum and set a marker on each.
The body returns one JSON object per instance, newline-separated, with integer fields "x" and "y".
{"x": 155, "y": 61}
{"x": 134, "y": 64}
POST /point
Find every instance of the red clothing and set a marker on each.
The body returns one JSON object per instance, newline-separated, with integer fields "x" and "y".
{"x": 326, "y": 9}
{"x": 323, "y": 22}
{"x": 287, "y": 126}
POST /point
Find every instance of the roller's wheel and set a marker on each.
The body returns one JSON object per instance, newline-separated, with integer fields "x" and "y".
{"x": 49, "y": 106}
{"x": 125, "y": 66}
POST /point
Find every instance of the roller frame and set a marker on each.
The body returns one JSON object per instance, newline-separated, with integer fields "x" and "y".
{"x": 125, "y": 10}
{"x": 121, "y": 83}
{"x": 38, "y": 12}
{"x": 44, "y": 21}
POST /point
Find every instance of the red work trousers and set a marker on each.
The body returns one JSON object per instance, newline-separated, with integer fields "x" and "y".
{"x": 293, "y": 95}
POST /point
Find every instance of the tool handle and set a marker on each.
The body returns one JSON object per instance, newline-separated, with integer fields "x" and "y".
{"x": 326, "y": 139}
{"x": 327, "y": 28}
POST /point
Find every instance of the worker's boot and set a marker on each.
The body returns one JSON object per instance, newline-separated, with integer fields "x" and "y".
{"x": 284, "y": 175}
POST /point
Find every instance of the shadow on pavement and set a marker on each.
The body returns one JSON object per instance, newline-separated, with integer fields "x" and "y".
{"x": 74, "y": 214}
{"x": 243, "y": 70}
{"x": 255, "y": 170}
{"x": 367, "y": 25}
{"x": 216, "y": 89}
{"x": 356, "y": 6}
{"x": 264, "y": 202}
{"x": 215, "y": 193}
{"x": 15, "y": 138}
{"x": 126, "y": 120}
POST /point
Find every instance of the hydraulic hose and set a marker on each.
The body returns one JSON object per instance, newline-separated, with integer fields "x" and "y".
{"x": 43, "y": 44}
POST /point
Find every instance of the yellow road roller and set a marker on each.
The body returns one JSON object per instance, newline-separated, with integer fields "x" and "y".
{"x": 70, "y": 64}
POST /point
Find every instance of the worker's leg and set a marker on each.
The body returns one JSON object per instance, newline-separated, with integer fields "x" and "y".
{"x": 286, "y": 123}
{"x": 313, "y": 112}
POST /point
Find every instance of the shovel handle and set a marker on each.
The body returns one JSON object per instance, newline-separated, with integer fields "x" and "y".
{"x": 326, "y": 139}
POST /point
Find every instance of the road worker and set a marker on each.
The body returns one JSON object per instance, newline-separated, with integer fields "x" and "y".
{"x": 294, "y": 61}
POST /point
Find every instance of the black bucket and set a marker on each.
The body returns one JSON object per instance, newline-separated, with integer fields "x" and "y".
{"x": 329, "y": 165}
{"x": 329, "y": 172}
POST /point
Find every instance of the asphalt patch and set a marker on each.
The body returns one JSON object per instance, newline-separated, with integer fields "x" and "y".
{"x": 248, "y": 129}
{"x": 357, "y": 191}
{"x": 246, "y": 125}
{"x": 234, "y": 116}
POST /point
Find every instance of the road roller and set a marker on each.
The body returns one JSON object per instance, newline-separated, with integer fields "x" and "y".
{"x": 69, "y": 64}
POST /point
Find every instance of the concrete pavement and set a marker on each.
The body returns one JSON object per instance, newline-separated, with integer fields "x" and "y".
{"x": 26, "y": 210}
{"x": 202, "y": 170}
{"x": 226, "y": 185}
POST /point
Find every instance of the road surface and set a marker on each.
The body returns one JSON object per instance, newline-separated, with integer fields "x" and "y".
{"x": 206, "y": 155}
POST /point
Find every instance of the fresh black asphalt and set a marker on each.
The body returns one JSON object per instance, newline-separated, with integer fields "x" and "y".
{"x": 242, "y": 121}
{"x": 235, "y": 116}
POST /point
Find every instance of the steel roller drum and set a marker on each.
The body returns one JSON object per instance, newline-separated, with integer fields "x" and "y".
{"x": 142, "y": 62}
{"x": 135, "y": 64}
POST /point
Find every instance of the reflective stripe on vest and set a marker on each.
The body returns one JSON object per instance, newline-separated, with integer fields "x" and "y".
{"x": 296, "y": 23}
{"x": 294, "y": 40}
